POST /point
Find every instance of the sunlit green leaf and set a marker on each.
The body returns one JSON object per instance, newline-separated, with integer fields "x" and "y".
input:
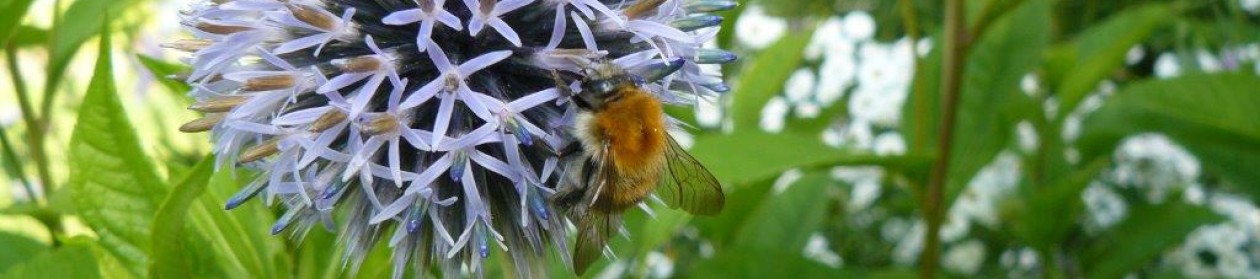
{"x": 73, "y": 260}
{"x": 25, "y": 36}
{"x": 242, "y": 233}
{"x": 1216, "y": 117}
{"x": 1142, "y": 237}
{"x": 178, "y": 252}
{"x": 18, "y": 249}
{"x": 116, "y": 188}
{"x": 162, "y": 71}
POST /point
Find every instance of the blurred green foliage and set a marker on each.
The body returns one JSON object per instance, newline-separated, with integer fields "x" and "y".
{"x": 156, "y": 211}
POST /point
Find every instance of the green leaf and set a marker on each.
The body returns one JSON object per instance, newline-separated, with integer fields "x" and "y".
{"x": 25, "y": 36}
{"x": 919, "y": 114}
{"x": 1101, "y": 49}
{"x": 116, "y": 187}
{"x": 1147, "y": 233}
{"x": 1045, "y": 216}
{"x": 1216, "y": 117}
{"x": 162, "y": 71}
{"x": 763, "y": 78}
{"x": 73, "y": 260}
{"x": 786, "y": 220}
{"x": 1008, "y": 50}
{"x": 81, "y": 21}
{"x": 18, "y": 249}
{"x": 11, "y": 14}
{"x": 242, "y": 234}
{"x": 177, "y": 252}
{"x": 750, "y": 156}
{"x": 768, "y": 263}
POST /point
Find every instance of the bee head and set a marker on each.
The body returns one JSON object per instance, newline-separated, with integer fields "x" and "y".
{"x": 602, "y": 84}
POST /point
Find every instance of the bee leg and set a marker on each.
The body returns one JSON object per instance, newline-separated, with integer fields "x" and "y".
{"x": 573, "y": 186}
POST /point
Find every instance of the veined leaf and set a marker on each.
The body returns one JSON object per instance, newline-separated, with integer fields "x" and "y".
{"x": 115, "y": 186}
{"x": 1216, "y": 117}
{"x": 178, "y": 252}
{"x": 243, "y": 234}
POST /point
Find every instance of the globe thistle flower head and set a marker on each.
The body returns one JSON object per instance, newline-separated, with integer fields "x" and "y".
{"x": 433, "y": 125}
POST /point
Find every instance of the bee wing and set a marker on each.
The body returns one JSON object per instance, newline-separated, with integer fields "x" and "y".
{"x": 593, "y": 233}
{"x": 686, "y": 184}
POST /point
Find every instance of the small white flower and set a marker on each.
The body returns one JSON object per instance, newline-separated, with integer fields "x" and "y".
{"x": 859, "y": 25}
{"x": 1106, "y": 208}
{"x": 838, "y": 70}
{"x": 1167, "y": 66}
{"x": 799, "y": 86}
{"x": 817, "y": 249}
{"x": 964, "y": 258}
{"x": 774, "y": 114}
{"x": 755, "y": 29}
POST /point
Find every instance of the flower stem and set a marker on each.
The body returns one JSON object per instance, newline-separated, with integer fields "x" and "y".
{"x": 35, "y": 131}
{"x": 955, "y": 57}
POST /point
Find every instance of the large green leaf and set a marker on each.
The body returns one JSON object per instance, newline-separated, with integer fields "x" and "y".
{"x": 750, "y": 156}
{"x": 1008, "y": 50}
{"x": 778, "y": 228}
{"x": 178, "y": 252}
{"x": 763, "y": 78}
{"x": 73, "y": 260}
{"x": 115, "y": 186}
{"x": 242, "y": 233}
{"x": 1216, "y": 117}
{"x": 768, "y": 263}
{"x": 11, "y": 14}
{"x": 18, "y": 249}
{"x": 1146, "y": 234}
{"x": 786, "y": 220}
{"x": 1101, "y": 49}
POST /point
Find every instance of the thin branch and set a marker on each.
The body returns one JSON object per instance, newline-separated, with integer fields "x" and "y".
{"x": 34, "y": 131}
{"x": 955, "y": 58}
{"x": 15, "y": 169}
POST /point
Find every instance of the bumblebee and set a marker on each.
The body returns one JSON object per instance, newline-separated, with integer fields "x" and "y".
{"x": 625, "y": 155}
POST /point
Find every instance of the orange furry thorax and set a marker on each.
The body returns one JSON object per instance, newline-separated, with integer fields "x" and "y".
{"x": 633, "y": 125}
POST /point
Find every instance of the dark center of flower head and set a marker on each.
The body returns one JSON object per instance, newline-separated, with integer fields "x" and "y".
{"x": 442, "y": 116}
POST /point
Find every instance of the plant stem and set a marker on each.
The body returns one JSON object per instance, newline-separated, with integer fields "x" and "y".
{"x": 34, "y": 131}
{"x": 15, "y": 169}
{"x": 955, "y": 57}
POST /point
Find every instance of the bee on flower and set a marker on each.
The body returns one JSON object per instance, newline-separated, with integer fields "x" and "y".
{"x": 454, "y": 129}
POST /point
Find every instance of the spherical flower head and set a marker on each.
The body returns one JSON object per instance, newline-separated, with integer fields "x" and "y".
{"x": 436, "y": 126}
